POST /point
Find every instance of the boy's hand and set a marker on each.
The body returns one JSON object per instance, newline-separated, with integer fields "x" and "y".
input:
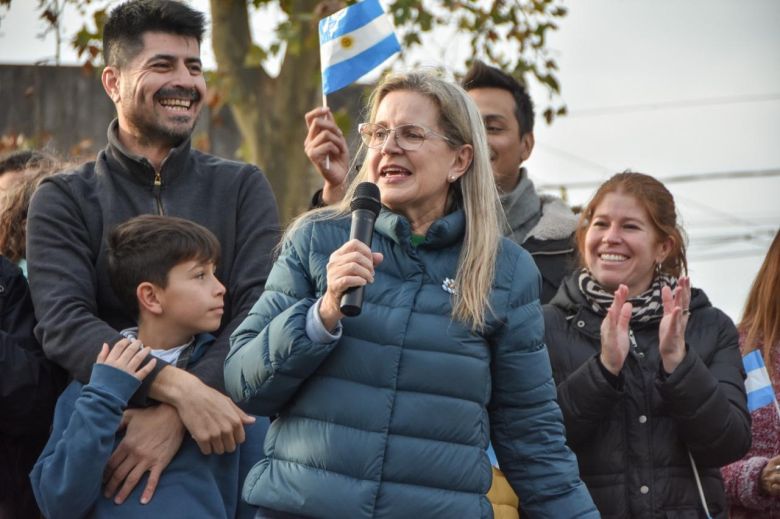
{"x": 127, "y": 356}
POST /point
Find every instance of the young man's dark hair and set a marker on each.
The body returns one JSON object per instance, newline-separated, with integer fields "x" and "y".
{"x": 24, "y": 159}
{"x": 481, "y": 75}
{"x": 147, "y": 247}
{"x": 124, "y": 29}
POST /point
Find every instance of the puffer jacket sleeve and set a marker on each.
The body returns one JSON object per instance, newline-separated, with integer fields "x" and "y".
{"x": 708, "y": 401}
{"x": 586, "y": 398}
{"x": 270, "y": 353}
{"x": 526, "y": 424}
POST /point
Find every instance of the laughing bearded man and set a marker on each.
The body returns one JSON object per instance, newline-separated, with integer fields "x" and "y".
{"x": 154, "y": 76}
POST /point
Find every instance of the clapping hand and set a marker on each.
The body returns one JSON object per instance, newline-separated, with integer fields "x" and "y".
{"x": 614, "y": 332}
{"x": 671, "y": 331}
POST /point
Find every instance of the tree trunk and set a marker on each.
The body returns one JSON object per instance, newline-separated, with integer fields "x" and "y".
{"x": 269, "y": 111}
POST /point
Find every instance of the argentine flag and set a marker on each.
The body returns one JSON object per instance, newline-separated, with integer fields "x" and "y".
{"x": 757, "y": 384}
{"x": 354, "y": 41}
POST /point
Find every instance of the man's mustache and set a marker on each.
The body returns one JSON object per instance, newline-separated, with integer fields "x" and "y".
{"x": 178, "y": 93}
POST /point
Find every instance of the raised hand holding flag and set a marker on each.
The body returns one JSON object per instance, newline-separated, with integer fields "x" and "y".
{"x": 354, "y": 41}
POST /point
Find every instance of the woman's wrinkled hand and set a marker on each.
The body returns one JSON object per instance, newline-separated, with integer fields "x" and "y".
{"x": 351, "y": 265}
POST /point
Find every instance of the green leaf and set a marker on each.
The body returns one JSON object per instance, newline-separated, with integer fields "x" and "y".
{"x": 255, "y": 56}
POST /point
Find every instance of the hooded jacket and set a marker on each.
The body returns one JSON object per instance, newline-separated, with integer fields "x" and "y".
{"x": 72, "y": 213}
{"x": 392, "y": 419}
{"x": 632, "y": 439}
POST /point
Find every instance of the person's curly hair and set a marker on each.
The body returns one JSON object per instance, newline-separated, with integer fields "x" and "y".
{"x": 13, "y": 209}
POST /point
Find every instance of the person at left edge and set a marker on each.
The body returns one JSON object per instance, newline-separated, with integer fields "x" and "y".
{"x": 388, "y": 414}
{"x": 153, "y": 75}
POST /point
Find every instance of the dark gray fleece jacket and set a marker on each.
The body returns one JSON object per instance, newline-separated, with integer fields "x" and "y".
{"x": 72, "y": 213}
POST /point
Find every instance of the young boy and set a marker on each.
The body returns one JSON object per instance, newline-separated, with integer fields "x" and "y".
{"x": 162, "y": 270}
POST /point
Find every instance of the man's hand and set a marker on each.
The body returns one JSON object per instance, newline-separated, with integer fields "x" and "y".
{"x": 152, "y": 439}
{"x": 326, "y": 144}
{"x": 213, "y": 420}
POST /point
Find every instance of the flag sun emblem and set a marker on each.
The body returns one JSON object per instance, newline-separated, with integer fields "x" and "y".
{"x": 347, "y": 42}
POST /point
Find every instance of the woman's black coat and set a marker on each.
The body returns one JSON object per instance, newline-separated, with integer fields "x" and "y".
{"x": 632, "y": 436}
{"x": 29, "y": 385}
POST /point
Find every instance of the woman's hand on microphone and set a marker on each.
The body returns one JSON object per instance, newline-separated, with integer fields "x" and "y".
{"x": 351, "y": 265}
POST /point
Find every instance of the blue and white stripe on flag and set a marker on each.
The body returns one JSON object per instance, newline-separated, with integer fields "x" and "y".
{"x": 354, "y": 41}
{"x": 757, "y": 384}
{"x": 492, "y": 455}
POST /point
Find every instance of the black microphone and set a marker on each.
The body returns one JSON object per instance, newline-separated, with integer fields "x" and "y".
{"x": 365, "y": 207}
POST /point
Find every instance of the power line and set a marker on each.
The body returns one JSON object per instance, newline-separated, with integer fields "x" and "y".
{"x": 575, "y": 158}
{"x": 671, "y": 105}
{"x": 727, "y": 255}
{"x": 673, "y": 179}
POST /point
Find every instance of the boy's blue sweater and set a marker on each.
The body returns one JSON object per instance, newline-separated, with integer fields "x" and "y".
{"x": 67, "y": 478}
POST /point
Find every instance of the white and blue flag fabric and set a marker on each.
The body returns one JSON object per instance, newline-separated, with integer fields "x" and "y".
{"x": 757, "y": 384}
{"x": 354, "y": 41}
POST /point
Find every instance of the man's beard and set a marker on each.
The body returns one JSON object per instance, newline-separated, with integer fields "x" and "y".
{"x": 152, "y": 131}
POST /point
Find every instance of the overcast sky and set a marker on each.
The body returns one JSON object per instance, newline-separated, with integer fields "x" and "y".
{"x": 665, "y": 87}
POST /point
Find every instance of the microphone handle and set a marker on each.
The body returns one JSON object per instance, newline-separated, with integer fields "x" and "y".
{"x": 362, "y": 229}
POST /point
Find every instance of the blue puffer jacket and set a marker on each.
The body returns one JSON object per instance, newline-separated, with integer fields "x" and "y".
{"x": 392, "y": 420}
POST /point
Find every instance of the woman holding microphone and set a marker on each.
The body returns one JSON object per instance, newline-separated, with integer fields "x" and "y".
{"x": 388, "y": 414}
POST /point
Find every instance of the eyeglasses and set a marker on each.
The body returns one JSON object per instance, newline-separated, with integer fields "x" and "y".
{"x": 408, "y": 136}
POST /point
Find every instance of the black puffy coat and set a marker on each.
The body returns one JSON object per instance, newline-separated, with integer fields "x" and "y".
{"x": 632, "y": 437}
{"x": 29, "y": 385}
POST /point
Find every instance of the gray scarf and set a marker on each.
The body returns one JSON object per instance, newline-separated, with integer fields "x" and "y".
{"x": 522, "y": 207}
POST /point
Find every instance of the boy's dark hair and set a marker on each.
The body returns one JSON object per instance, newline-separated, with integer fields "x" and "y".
{"x": 482, "y": 75}
{"x": 147, "y": 247}
{"x": 124, "y": 29}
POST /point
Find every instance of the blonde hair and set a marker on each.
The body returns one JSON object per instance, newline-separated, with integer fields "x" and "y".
{"x": 461, "y": 122}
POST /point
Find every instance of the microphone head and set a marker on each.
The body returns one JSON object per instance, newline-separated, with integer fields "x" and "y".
{"x": 366, "y": 197}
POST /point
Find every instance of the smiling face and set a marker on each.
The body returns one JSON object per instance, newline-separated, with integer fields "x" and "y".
{"x": 622, "y": 246}
{"x": 415, "y": 183}
{"x": 192, "y": 300}
{"x": 159, "y": 92}
{"x": 508, "y": 149}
